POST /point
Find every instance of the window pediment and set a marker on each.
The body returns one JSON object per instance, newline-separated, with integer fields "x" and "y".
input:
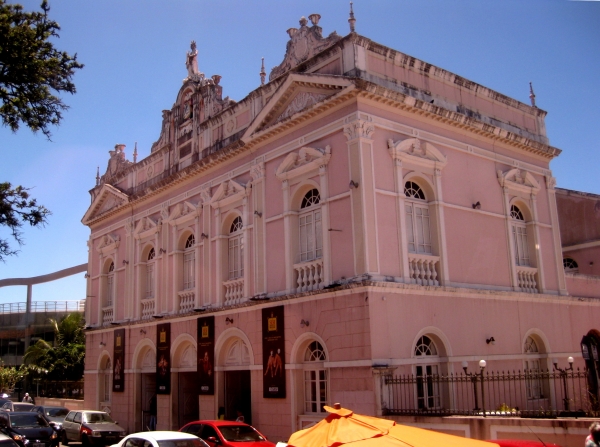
{"x": 108, "y": 243}
{"x": 518, "y": 180}
{"x": 108, "y": 199}
{"x": 306, "y": 160}
{"x": 183, "y": 212}
{"x": 227, "y": 193}
{"x": 417, "y": 152}
{"x": 146, "y": 227}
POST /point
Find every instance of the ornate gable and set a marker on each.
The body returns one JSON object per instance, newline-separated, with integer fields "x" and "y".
{"x": 302, "y": 162}
{"x": 228, "y": 192}
{"x": 518, "y": 180}
{"x": 416, "y": 151}
{"x": 304, "y": 43}
{"x": 108, "y": 243}
{"x": 183, "y": 212}
{"x": 147, "y": 226}
{"x": 108, "y": 198}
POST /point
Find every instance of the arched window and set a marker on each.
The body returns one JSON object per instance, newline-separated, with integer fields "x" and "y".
{"x": 570, "y": 265}
{"x": 417, "y": 219}
{"x": 316, "y": 391}
{"x": 110, "y": 285}
{"x": 310, "y": 229}
{"x": 189, "y": 263}
{"x": 105, "y": 382}
{"x": 150, "y": 274}
{"x": 428, "y": 389}
{"x": 519, "y": 230}
{"x": 533, "y": 373}
{"x": 236, "y": 249}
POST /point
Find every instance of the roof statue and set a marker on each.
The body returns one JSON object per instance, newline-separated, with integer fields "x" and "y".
{"x": 191, "y": 63}
{"x": 116, "y": 163}
{"x": 304, "y": 43}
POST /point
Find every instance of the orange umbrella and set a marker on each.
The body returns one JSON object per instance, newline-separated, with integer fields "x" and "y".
{"x": 342, "y": 426}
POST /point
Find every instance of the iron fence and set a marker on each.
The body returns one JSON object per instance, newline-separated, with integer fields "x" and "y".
{"x": 535, "y": 393}
{"x": 43, "y": 306}
{"x": 65, "y": 389}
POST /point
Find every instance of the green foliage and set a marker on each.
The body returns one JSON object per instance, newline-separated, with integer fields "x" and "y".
{"x": 16, "y": 209}
{"x": 66, "y": 359}
{"x": 32, "y": 71}
{"x": 10, "y": 376}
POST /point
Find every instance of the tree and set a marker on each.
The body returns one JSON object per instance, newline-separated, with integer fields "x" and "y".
{"x": 17, "y": 208}
{"x": 65, "y": 360}
{"x": 10, "y": 376}
{"x": 32, "y": 71}
{"x": 32, "y": 75}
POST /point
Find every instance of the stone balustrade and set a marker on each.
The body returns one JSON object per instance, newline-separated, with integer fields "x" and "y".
{"x": 234, "y": 291}
{"x": 147, "y": 309}
{"x": 423, "y": 269}
{"x": 187, "y": 301}
{"x": 527, "y": 279}
{"x": 107, "y": 315}
{"x": 309, "y": 275}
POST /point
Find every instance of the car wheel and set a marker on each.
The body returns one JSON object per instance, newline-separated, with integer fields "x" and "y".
{"x": 64, "y": 439}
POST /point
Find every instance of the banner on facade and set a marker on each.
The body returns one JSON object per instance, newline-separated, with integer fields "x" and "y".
{"x": 119, "y": 361}
{"x": 206, "y": 355}
{"x": 163, "y": 359}
{"x": 273, "y": 352}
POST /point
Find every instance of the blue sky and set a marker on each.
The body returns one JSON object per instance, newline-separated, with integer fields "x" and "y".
{"x": 134, "y": 56}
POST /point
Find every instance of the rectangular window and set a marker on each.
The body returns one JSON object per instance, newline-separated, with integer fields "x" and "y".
{"x": 236, "y": 255}
{"x": 189, "y": 267}
{"x": 315, "y": 391}
{"x": 521, "y": 247}
{"x": 150, "y": 280}
{"x": 428, "y": 389}
{"x": 311, "y": 236}
{"x": 110, "y": 286}
{"x": 106, "y": 387}
{"x": 418, "y": 232}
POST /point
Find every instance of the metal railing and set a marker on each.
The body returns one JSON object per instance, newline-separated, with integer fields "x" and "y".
{"x": 536, "y": 393}
{"x": 66, "y": 389}
{"x": 43, "y": 306}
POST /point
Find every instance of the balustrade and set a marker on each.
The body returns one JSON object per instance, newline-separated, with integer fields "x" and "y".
{"x": 423, "y": 269}
{"x": 187, "y": 300}
{"x": 526, "y": 277}
{"x": 234, "y": 291}
{"x": 309, "y": 275}
{"x": 107, "y": 315}
{"x": 147, "y": 309}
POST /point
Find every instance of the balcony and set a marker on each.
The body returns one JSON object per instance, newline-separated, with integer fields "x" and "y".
{"x": 234, "y": 291}
{"x": 423, "y": 269}
{"x": 107, "y": 315}
{"x": 309, "y": 275}
{"x": 187, "y": 300}
{"x": 526, "y": 277}
{"x": 148, "y": 308}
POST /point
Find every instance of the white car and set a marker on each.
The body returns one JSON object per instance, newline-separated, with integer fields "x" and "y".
{"x": 161, "y": 439}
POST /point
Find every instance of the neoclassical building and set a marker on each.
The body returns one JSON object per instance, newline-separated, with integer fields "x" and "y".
{"x": 360, "y": 211}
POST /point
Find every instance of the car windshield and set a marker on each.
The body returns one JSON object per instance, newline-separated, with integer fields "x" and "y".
{"x": 27, "y": 420}
{"x": 56, "y": 412}
{"x": 96, "y": 418}
{"x": 240, "y": 433}
{"x": 22, "y": 407}
{"x": 182, "y": 443}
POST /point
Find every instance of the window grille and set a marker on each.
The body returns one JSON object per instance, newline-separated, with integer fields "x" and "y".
{"x": 236, "y": 249}
{"x": 310, "y": 227}
{"x": 315, "y": 379}
{"x": 570, "y": 265}
{"x": 418, "y": 230}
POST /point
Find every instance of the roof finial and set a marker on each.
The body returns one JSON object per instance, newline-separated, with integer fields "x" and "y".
{"x": 263, "y": 73}
{"x": 351, "y": 20}
{"x": 98, "y": 176}
{"x": 532, "y": 95}
{"x": 135, "y": 153}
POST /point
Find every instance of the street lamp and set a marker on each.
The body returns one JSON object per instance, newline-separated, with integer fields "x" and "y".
{"x": 474, "y": 378}
{"x": 563, "y": 375}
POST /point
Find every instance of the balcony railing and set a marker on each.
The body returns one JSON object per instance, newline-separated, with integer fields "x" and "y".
{"x": 309, "y": 275}
{"x": 107, "y": 315}
{"x": 43, "y": 306}
{"x": 533, "y": 393}
{"x": 526, "y": 277}
{"x": 234, "y": 291}
{"x": 187, "y": 300}
{"x": 147, "y": 309}
{"x": 423, "y": 269}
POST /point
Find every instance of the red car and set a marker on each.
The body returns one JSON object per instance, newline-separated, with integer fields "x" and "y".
{"x": 521, "y": 443}
{"x": 227, "y": 434}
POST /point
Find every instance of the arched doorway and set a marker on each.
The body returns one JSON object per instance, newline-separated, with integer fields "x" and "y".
{"x": 145, "y": 382}
{"x": 185, "y": 383}
{"x": 237, "y": 393}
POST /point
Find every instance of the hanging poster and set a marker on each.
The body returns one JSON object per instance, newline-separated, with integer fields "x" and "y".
{"x": 163, "y": 359}
{"x": 273, "y": 352}
{"x": 206, "y": 355}
{"x": 119, "y": 361}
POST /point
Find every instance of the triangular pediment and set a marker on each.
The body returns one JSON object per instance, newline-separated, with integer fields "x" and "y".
{"x": 417, "y": 151}
{"x": 183, "y": 211}
{"x": 297, "y": 95}
{"x": 227, "y": 192}
{"x": 303, "y": 161}
{"x": 518, "y": 180}
{"x": 108, "y": 243}
{"x": 108, "y": 199}
{"x": 147, "y": 226}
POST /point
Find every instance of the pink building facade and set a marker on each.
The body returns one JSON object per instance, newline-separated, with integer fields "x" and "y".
{"x": 362, "y": 212}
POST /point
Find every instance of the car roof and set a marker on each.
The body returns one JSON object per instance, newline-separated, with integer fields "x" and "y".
{"x": 162, "y": 435}
{"x": 522, "y": 443}
{"x": 218, "y": 422}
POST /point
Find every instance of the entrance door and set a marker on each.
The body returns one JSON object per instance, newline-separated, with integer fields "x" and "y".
{"x": 237, "y": 395}
{"x": 188, "y": 398}
{"x": 148, "y": 390}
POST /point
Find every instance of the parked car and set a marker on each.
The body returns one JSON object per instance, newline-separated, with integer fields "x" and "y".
{"x": 227, "y": 434}
{"x": 521, "y": 443}
{"x": 160, "y": 439}
{"x": 16, "y": 406}
{"x": 55, "y": 416}
{"x": 28, "y": 429}
{"x": 91, "y": 428}
{"x": 7, "y": 441}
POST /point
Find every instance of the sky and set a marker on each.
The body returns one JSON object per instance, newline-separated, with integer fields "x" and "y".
{"x": 134, "y": 56}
